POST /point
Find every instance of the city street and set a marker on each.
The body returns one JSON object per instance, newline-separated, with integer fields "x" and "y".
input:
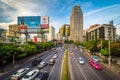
{"x": 54, "y": 70}
{"x": 86, "y": 71}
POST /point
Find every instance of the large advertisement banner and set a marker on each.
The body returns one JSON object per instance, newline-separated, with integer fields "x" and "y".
{"x": 29, "y": 22}
{"x": 44, "y": 22}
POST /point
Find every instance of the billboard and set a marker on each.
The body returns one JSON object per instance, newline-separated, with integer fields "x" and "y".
{"x": 25, "y": 22}
{"x": 44, "y": 22}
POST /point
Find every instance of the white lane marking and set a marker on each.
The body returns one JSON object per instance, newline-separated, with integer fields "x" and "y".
{"x": 99, "y": 78}
{"x": 79, "y": 68}
{"x": 88, "y": 65}
{"x": 61, "y": 66}
{"x": 70, "y": 67}
{"x": 107, "y": 73}
{"x": 54, "y": 65}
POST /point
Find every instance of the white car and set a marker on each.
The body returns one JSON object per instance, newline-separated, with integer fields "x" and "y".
{"x": 42, "y": 64}
{"x": 31, "y": 75}
{"x": 95, "y": 58}
{"x": 81, "y": 61}
{"x": 81, "y": 50}
{"x": 19, "y": 74}
{"x": 55, "y": 56}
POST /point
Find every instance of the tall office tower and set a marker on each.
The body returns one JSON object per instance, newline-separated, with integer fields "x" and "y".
{"x": 76, "y": 24}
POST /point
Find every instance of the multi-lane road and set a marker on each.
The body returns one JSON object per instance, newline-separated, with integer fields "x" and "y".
{"x": 76, "y": 70}
{"x": 54, "y": 70}
{"x": 86, "y": 71}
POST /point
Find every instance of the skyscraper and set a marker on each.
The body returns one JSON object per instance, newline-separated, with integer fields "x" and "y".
{"x": 76, "y": 24}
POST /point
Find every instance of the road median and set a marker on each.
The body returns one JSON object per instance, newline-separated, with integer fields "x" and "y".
{"x": 65, "y": 68}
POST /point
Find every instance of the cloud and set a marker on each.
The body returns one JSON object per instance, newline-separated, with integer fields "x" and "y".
{"x": 101, "y": 9}
{"x": 102, "y": 15}
{"x": 9, "y": 10}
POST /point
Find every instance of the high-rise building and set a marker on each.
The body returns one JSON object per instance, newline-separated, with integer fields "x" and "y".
{"x": 76, "y": 24}
{"x": 65, "y": 31}
{"x": 51, "y": 34}
{"x": 101, "y": 31}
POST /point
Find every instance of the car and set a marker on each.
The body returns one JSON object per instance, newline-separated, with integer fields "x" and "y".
{"x": 80, "y": 60}
{"x": 31, "y": 75}
{"x": 81, "y": 50}
{"x": 42, "y": 64}
{"x": 55, "y": 52}
{"x": 43, "y": 75}
{"x": 55, "y": 56}
{"x": 52, "y": 61}
{"x": 36, "y": 61}
{"x": 19, "y": 74}
{"x": 71, "y": 51}
{"x": 95, "y": 58}
{"x": 95, "y": 64}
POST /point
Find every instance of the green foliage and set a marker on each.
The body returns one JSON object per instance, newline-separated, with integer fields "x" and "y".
{"x": 21, "y": 56}
{"x": 29, "y": 49}
{"x": 31, "y": 42}
{"x": 92, "y": 45}
{"x": 104, "y": 52}
{"x": 115, "y": 49}
{"x": 69, "y": 41}
{"x": 65, "y": 68}
{"x": 7, "y": 50}
{"x": 104, "y": 44}
{"x": 48, "y": 45}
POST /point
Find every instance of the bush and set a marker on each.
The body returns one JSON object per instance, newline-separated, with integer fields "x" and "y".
{"x": 21, "y": 56}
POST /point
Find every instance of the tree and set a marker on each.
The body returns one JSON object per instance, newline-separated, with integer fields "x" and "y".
{"x": 8, "y": 50}
{"x": 3, "y": 53}
{"x": 115, "y": 49}
{"x": 104, "y": 52}
{"x": 29, "y": 49}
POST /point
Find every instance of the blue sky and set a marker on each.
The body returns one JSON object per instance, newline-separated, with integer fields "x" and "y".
{"x": 94, "y": 11}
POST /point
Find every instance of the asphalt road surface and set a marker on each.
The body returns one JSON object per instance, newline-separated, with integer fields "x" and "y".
{"x": 54, "y": 70}
{"x": 86, "y": 71}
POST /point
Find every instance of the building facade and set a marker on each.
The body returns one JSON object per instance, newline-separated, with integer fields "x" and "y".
{"x": 51, "y": 34}
{"x": 103, "y": 31}
{"x": 12, "y": 31}
{"x": 2, "y": 34}
{"x": 65, "y": 31}
{"x": 58, "y": 36}
{"x": 76, "y": 24}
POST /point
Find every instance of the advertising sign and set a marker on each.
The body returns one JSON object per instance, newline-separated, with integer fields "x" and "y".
{"x": 44, "y": 22}
{"x": 29, "y": 22}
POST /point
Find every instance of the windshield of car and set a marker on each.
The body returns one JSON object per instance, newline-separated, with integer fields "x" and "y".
{"x": 27, "y": 76}
{"x": 95, "y": 57}
{"x": 97, "y": 64}
{"x": 17, "y": 73}
{"x": 42, "y": 63}
{"x": 80, "y": 59}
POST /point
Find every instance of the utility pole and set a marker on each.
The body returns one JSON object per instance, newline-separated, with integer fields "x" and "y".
{"x": 42, "y": 39}
{"x": 26, "y": 33}
{"x": 101, "y": 45}
{"x": 109, "y": 60}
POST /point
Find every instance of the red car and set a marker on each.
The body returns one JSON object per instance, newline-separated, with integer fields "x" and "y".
{"x": 95, "y": 64}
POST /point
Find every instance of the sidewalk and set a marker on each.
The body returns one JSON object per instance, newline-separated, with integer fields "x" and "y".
{"x": 9, "y": 67}
{"x": 114, "y": 67}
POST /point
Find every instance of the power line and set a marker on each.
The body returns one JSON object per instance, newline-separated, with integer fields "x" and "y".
{"x": 116, "y": 18}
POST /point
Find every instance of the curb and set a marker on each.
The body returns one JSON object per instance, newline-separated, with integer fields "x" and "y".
{"x": 17, "y": 65}
{"x": 111, "y": 69}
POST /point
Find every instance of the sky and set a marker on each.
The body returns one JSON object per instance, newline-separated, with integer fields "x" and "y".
{"x": 59, "y": 11}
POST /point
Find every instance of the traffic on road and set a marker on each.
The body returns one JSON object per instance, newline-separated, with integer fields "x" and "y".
{"x": 49, "y": 67}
